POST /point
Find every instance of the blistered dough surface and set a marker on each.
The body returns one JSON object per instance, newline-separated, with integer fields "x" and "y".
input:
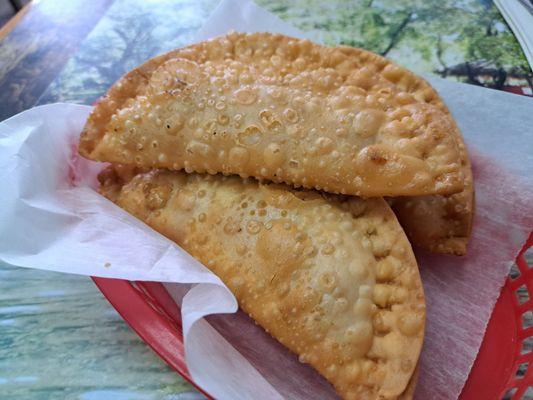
{"x": 333, "y": 279}
{"x": 339, "y": 119}
{"x": 441, "y": 223}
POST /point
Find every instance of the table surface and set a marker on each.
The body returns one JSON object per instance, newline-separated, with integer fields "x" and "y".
{"x": 59, "y": 338}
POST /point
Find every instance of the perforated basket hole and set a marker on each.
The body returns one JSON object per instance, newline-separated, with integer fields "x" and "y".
{"x": 522, "y": 295}
{"x": 521, "y": 370}
{"x": 528, "y": 394}
{"x": 528, "y": 255}
{"x": 527, "y": 319}
{"x": 527, "y": 345}
{"x": 515, "y": 272}
{"x": 510, "y": 393}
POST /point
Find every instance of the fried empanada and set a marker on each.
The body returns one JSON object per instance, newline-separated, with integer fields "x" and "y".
{"x": 340, "y": 119}
{"x": 409, "y": 391}
{"x": 441, "y": 224}
{"x": 333, "y": 278}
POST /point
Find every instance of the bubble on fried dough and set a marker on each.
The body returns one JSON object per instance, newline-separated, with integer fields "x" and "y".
{"x": 368, "y": 122}
{"x": 360, "y": 335}
{"x": 232, "y": 227}
{"x": 290, "y": 115}
{"x": 268, "y": 119}
{"x": 246, "y": 96}
{"x": 254, "y": 227}
{"x": 250, "y": 136}
{"x": 411, "y": 323}
{"x": 157, "y": 196}
{"x": 240, "y": 156}
{"x": 223, "y": 119}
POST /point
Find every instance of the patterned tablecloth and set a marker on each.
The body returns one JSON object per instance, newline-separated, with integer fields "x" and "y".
{"x": 59, "y": 338}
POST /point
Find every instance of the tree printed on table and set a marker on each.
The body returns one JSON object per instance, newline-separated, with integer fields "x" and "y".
{"x": 500, "y": 59}
{"x": 132, "y": 32}
{"x": 467, "y": 40}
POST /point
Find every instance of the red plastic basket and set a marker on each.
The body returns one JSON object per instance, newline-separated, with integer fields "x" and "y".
{"x": 500, "y": 370}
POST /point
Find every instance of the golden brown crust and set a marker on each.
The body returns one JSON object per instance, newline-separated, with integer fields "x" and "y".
{"x": 409, "y": 392}
{"x": 339, "y": 119}
{"x": 441, "y": 224}
{"x": 332, "y": 278}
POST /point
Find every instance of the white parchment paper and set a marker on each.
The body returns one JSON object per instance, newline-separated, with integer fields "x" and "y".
{"x": 52, "y": 218}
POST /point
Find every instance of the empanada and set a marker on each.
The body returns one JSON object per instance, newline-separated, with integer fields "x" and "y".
{"x": 333, "y": 278}
{"x": 441, "y": 224}
{"x": 340, "y": 119}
